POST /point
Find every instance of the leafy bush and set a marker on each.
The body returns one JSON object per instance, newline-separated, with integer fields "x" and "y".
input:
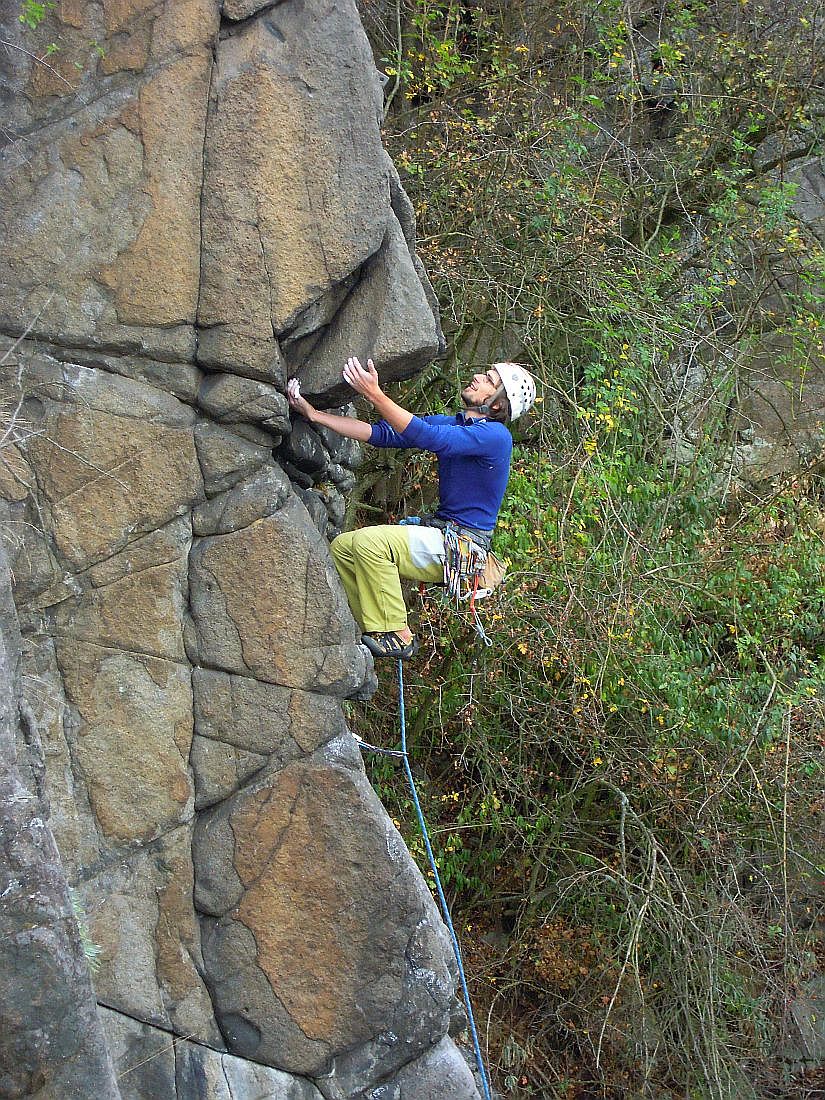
{"x": 626, "y": 786}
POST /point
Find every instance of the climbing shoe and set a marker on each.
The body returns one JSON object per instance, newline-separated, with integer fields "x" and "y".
{"x": 388, "y": 644}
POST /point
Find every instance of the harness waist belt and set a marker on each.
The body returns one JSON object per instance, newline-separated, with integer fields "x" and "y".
{"x": 483, "y": 538}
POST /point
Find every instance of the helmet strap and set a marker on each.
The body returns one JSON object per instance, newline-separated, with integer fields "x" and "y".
{"x": 487, "y": 408}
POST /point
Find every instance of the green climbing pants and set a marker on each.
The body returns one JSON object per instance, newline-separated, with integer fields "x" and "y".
{"x": 371, "y": 562}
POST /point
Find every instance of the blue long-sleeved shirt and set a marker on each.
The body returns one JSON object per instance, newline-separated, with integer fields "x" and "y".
{"x": 473, "y": 462}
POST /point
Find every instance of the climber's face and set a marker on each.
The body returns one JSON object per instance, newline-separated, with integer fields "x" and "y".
{"x": 481, "y": 388}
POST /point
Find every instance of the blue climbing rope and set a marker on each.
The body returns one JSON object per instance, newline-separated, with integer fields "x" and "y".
{"x": 445, "y": 909}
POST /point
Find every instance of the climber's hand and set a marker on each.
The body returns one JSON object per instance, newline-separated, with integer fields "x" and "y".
{"x": 296, "y": 402}
{"x": 363, "y": 379}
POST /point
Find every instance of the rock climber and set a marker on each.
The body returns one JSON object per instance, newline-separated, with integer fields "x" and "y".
{"x": 473, "y": 448}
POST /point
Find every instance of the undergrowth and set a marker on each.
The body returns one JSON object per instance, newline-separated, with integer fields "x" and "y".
{"x": 626, "y": 788}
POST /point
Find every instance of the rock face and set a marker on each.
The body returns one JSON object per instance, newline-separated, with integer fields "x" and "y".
{"x": 195, "y": 207}
{"x": 51, "y": 1040}
{"x": 369, "y": 982}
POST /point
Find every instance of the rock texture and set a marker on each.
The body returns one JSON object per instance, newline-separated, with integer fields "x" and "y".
{"x": 148, "y": 1063}
{"x": 51, "y": 1041}
{"x": 197, "y": 205}
{"x": 776, "y": 424}
{"x": 365, "y": 921}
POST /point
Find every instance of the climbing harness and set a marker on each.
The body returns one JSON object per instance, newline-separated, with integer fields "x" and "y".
{"x": 464, "y": 559}
{"x": 471, "y": 570}
{"x": 442, "y": 900}
{"x": 465, "y": 562}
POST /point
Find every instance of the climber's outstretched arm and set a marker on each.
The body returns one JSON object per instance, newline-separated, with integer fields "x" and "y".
{"x": 343, "y": 425}
{"x": 365, "y": 381}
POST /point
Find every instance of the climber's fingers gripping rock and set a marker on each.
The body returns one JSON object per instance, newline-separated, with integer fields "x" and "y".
{"x": 296, "y": 401}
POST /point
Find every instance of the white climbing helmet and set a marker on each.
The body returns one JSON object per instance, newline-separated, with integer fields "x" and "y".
{"x": 519, "y": 386}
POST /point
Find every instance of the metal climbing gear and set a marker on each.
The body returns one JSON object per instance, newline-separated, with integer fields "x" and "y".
{"x": 465, "y": 562}
{"x": 471, "y": 570}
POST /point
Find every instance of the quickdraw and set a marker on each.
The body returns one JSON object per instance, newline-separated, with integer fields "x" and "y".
{"x": 464, "y": 561}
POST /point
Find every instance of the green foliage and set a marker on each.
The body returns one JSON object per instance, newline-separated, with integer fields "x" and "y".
{"x": 647, "y": 727}
{"x": 32, "y": 12}
{"x": 624, "y": 787}
{"x": 776, "y": 204}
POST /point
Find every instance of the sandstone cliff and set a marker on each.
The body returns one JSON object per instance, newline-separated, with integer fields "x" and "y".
{"x": 195, "y": 205}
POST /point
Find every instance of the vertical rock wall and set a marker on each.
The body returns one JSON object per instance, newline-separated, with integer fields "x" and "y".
{"x": 196, "y": 205}
{"x": 51, "y": 1040}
